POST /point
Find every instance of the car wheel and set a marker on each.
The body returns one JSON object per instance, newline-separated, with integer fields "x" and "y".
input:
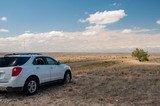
{"x": 67, "y": 77}
{"x": 31, "y": 86}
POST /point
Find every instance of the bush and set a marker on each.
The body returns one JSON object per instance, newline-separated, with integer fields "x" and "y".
{"x": 140, "y": 54}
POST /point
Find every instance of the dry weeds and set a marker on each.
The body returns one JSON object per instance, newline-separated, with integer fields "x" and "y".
{"x": 99, "y": 80}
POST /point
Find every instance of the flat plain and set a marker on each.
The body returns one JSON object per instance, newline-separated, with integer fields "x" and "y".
{"x": 98, "y": 80}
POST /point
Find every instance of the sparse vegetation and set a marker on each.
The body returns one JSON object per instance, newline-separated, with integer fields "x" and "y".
{"x": 140, "y": 54}
{"x": 102, "y": 79}
{"x": 94, "y": 65}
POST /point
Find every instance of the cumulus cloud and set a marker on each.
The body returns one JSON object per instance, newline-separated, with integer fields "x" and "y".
{"x": 95, "y": 38}
{"x": 99, "y": 20}
{"x": 3, "y": 18}
{"x": 93, "y": 29}
{"x": 4, "y": 30}
{"x": 105, "y": 17}
{"x": 158, "y": 22}
{"x": 33, "y": 41}
{"x": 59, "y": 41}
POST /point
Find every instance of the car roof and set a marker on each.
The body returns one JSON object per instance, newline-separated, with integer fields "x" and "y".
{"x": 23, "y": 55}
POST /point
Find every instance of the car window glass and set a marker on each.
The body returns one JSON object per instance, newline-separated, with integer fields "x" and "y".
{"x": 39, "y": 61}
{"x": 51, "y": 61}
{"x": 13, "y": 61}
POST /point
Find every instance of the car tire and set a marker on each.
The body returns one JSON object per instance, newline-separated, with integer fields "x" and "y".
{"x": 67, "y": 77}
{"x": 30, "y": 86}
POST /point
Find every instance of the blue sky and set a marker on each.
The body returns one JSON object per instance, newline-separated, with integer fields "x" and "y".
{"x": 47, "y": 15}
{"x": 42, "y": 16}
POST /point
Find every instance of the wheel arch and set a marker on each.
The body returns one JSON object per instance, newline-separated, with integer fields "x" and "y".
{"x": 34, "y": 76}
{"x": 68, "y": 70}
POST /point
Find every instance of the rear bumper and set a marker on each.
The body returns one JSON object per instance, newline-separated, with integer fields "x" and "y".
{"x": 11, "y": 89}
{"x": 14, "y": 84}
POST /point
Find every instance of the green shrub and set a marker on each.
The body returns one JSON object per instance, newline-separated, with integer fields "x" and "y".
{"x": 140, "y": 54}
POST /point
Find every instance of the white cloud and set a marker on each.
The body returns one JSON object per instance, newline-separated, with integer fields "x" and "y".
{"x": 116, "y": 4}
{"x": 82, "y": 20}
{"x": 4, "y": 30}
{"x": 127, "y": 31}
{"x": 143, "y": 30}
{"x": 95, "y": 38}
{"x": 105, "y": 17}
{"x": 85, "y": 41}
{"x": 3, "y": 18}
{"x": 138, "y": 30}
{"x": 93, "y": 29}
{"x": 158, "y": 22}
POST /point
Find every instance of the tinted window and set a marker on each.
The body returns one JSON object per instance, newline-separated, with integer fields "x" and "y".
{"x": 13, "y": 61}
{"x": 39, "y": 61}
{"x": 51, "y": 61}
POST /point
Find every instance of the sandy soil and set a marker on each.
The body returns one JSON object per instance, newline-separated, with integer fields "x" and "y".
{"x": 99, "y": 83}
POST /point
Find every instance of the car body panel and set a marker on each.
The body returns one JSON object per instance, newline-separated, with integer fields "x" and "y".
{"x": 45, "y": 73}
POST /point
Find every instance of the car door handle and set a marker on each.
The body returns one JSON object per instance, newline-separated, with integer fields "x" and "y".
{"x": 37, "y": 67}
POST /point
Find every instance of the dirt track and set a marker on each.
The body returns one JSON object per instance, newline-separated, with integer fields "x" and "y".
{"x": 124, "y": 83}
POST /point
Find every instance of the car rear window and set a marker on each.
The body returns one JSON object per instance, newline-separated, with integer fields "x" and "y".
{"x": 13, "y": 61}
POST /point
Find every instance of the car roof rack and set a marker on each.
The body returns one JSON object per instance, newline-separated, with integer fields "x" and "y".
{"x": 23, "y": 54}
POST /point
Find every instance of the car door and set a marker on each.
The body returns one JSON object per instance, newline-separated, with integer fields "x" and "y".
{"x": 56, "y": 72}
{"x": 42, "y": 69}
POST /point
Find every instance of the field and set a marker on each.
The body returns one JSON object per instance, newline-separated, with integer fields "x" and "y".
{"x": 98, "y": 80}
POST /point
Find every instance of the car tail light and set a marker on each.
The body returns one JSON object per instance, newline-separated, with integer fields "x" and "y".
{"x": 16, "y": 71}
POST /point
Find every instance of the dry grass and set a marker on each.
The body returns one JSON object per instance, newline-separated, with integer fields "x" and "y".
{"x": 83, "y": 57}
{"x": 99, "y": 79}
{"x": 92, "y": 66}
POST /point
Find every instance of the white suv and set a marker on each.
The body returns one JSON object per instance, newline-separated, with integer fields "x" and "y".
{"x": 26, "y": 71}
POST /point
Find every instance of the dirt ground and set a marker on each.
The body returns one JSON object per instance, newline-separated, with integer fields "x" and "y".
{"x": 98, "y": 80}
